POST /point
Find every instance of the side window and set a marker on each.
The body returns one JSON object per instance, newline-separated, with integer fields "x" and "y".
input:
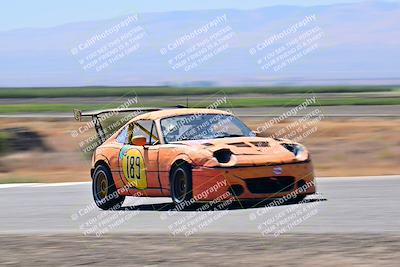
{"x": 123, "y": 136}
{"x": 147, "y": 128}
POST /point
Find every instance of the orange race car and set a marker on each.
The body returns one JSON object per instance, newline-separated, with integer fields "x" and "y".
{"x": 194, "y": 155}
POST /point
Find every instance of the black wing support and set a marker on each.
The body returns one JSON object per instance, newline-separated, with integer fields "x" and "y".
{"x": 95, "y": 115}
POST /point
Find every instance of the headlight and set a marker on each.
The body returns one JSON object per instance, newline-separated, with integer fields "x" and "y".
{"x": 298, "y": 150}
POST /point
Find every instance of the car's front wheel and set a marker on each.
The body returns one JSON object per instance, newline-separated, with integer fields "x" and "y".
{"x": 105, "y": 193}
{"x": 181, "y": 183}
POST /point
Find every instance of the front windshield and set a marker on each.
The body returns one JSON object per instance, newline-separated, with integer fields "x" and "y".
{"x": 202, "y": 126}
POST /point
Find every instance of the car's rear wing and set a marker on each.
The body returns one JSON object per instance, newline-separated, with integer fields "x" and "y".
{"x": 95, "y": 115}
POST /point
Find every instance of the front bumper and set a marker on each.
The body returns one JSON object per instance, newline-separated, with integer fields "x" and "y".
{"x": 258, "y": 182}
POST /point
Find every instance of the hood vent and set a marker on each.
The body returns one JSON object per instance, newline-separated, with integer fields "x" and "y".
{"x": 260, "y": 144}
{"x": 207, "y": 144}
{"x": 240, "y": 144}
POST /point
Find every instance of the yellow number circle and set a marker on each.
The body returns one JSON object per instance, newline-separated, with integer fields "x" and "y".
{"x": 134, "y": 169}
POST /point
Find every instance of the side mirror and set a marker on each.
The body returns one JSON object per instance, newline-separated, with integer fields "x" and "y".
{"x": 138, "y": 140}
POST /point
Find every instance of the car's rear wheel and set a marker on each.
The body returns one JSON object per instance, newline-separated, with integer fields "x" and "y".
{"x": 181, "y": 183}
{"x": 105, "y": 193}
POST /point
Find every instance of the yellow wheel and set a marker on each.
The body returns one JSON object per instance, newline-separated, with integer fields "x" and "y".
{"x": 102, "y": 184}
{"x": 104, "y": 191}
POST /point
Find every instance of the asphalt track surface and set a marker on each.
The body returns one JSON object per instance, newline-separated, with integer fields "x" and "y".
{"x": 343, "y": 205}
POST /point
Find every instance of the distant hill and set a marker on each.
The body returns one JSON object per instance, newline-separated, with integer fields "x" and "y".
{"x": 360, "y": 44}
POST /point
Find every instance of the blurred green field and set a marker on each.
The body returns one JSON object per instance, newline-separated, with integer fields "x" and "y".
{"x": 50, "y": 92}
{"x": 40, "y": 99}
{"x": 231, "y": 103}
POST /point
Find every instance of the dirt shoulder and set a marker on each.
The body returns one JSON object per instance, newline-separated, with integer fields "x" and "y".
{"x": 203, "y": 250}
{"x": 339, "y": 147}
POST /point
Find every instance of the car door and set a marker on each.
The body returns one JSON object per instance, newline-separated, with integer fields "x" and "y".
{"x": 139, "y": 163}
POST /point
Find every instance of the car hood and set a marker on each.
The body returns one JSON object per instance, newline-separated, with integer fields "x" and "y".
{"x": 248, "y": 150}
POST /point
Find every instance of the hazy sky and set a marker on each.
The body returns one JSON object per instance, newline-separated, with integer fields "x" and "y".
{"x": 44, "y": 13}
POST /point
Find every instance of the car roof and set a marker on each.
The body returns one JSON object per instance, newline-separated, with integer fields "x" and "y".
{"x": 166, "y": 113}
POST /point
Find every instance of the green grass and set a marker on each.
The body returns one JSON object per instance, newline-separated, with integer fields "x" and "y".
{"x": 18, "y": 179}
{"x": 45, "y": 107}
{"x": 236, "y": 102}
{"x": 50, "y": 92}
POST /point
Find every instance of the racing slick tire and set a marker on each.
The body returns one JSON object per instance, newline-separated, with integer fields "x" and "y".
{"x": 181, "y": 184}
{"x": 105, "y": 193}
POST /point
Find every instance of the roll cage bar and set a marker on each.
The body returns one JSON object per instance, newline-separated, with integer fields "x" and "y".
{"x": 95, "y": 115}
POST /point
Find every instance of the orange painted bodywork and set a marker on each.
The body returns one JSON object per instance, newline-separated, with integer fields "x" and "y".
{"x": 252, "y": 158}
